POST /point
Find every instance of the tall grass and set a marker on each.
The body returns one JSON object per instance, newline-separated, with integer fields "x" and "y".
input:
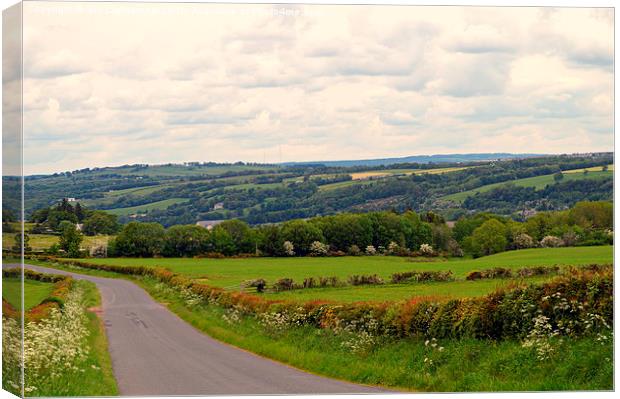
{"x": 65, "y": 354}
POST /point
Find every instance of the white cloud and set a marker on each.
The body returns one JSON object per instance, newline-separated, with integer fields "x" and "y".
{"x": 234, "y": 82}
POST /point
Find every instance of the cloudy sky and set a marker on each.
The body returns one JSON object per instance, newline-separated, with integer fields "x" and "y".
{"x": 111, "y": 84}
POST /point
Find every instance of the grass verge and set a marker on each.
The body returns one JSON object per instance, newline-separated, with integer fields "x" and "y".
{"x": 463, "y": 365}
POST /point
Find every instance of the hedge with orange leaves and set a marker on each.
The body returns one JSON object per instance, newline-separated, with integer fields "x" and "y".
{"x": 507, "y": 313}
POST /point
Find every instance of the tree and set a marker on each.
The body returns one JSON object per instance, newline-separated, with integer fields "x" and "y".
{"x": 17, "y": 247}
{"x": 100, "y": 222}
{"x": 79, "y": 212}
{"x": 489, "y": 238}
{"x": 605, "y": 168}
{"x": 70, "y": 239}
{"x": 221, "y": 241}
{"x": 140, "y": 240}
{"x": 558, "y": 176}
{"x": 183, "y": 241}
{"x": 302, "y": 234}
{"x": 242, "y": 235}
{"x": 270, "y": 242}
{"x": 592, "y": 214}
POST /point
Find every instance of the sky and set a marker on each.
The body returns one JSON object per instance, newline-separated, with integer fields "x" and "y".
{"x": 111, "y": 84}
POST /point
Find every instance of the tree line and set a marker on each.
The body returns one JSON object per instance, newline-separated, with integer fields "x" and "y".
{"x": 372, "y": 233}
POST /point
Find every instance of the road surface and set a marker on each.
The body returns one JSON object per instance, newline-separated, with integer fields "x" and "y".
{"x": 154, "y": 352}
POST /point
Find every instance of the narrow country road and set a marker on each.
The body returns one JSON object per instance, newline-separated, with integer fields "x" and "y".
{"x": 154, "y": 352}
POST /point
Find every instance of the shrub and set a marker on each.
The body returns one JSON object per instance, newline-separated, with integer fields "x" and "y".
{"x": 454, "y": 249}
{"x": 365, "y": 280}
{"x": 289, "y": 248}
{"x": 393, "y": 248}
{"x": 426, "y": 250}
{"x": 496, "y": 272}
{"x": 551, "y": 242}
{"x": 537, "y": 271}
{"x": 329, "y": 281}
{"x": 371, "y": 250}
{"x": 318, "y": 249}
{"x": 283, "y": 284}
{"x": 354, "y": 250}
{"x": 417, "y": 276}
{"x": 523, "y": 241}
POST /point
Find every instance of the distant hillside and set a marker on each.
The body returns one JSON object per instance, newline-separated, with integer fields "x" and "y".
{"x": 439, "y": 158}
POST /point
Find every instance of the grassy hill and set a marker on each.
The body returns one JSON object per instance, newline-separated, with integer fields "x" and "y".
{"x": 537, "y": 182}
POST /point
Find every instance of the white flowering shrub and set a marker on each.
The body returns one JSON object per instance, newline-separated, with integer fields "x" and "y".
{"x": 53, "y": 347}
{"x": 393, "y": 248}
{"x": 523, "y": 241}
{"x": 289, "y": 248}
{"x": 540, "y": 338}
{"x": 232, "y": 316}
{"x": 317, "y": 248}
{"x": 426, "y": 250}
{"x": 551, "y": 242}
{"x": 359, "y": 343}
{"x": 190, "y": 298}
{"x": 371, "y": 250}
{"x": 274, "y": 322}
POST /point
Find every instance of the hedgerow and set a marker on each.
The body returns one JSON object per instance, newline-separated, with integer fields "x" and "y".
{"x": 508, "y": 313}
{"x": 56, "y": 299}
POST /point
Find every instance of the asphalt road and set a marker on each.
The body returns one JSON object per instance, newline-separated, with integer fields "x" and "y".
{"x": 156, "y": 353}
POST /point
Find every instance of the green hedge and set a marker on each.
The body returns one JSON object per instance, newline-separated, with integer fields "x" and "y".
{"x": 568, "y": 299}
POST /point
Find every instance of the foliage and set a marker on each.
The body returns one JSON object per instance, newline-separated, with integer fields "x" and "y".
{"x": 140, "y": 240}
{"x": 70, "y": 239}
{"x": 100, "y": 222}
{"x": 488, "y": 239}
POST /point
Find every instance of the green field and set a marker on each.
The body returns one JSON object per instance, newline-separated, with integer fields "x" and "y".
{"x": 538, "y": 182}
{"x": 368, "y": 176}
{"x": 41, "y": 242}
{"x": 230, "y": 273}
{"x": 34, "y": 292}
{"x": 146, "y": 207}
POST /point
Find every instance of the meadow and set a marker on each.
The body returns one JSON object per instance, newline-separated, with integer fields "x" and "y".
{"x": 34, "y": 292}
{"x": 538, "y": 182}
{"x": 230, "y": 273}
{"x": 164, "y": 204}
{"x": 41, "y": 242}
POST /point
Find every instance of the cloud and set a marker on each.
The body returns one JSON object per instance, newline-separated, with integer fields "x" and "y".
{"x": 240, "y": 82}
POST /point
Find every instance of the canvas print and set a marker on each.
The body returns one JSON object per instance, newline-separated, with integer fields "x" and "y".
{"x": 241, "y": 199}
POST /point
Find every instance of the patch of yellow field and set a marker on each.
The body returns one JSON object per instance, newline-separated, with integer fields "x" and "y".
{"x": 610, "y": 168}
{"x": 391, "y": 172}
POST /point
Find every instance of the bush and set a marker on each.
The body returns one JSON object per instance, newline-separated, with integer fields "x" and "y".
{"x": 417, "y": 276}
{"x": 426, "y": 250}
{"x": 454, "y": 249}
{"x": 365, "y": 280}
{"x": 354, "y": 250}
{"x": 318, "y": 249}
{"x": 289, "y": 248}
{"x": 523, "y": 241}
{"x": 496, "y": 272}
{"x": 371, "y": 250}
{"x": 284, "y": 284}
{"x": 551, "y": 242}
